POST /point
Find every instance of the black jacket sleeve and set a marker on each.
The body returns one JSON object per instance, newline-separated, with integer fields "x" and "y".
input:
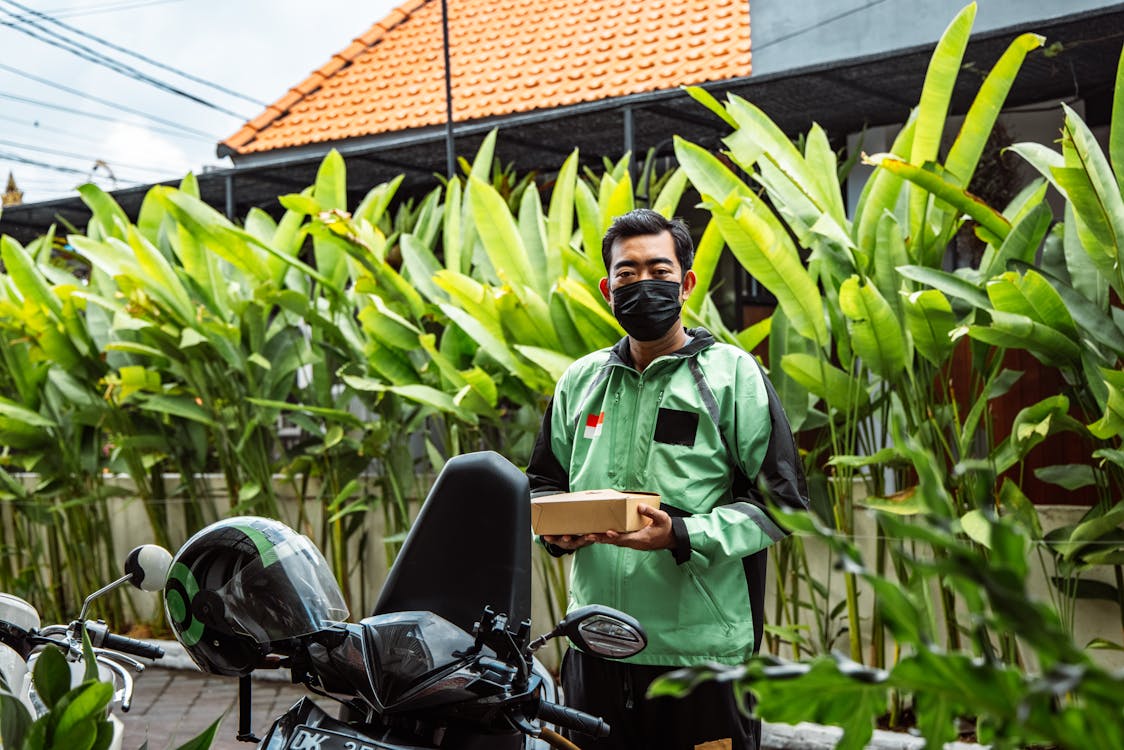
{"x": 545, "y": 474}
{"x": 781, "y": 477}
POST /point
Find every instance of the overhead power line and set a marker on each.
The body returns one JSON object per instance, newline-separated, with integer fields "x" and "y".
{"x": 49, "y": 37}
{"x": 113, "y": 7}
{"x": 86, "y": 157}
{"x": 105, "y": 102}
{"x": 44, "y": 183}
{"x": 39, "y": 126}
{"x": 8, "y": 156}
{"x": 125, "y": 50}
{"x": 103, "y": 118}
{"x": 85, "y": 138}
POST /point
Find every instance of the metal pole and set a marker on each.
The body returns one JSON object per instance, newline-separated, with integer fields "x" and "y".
{"x": 230, "y": 197}
{"x": 629, "y": 145}
{"x": 450, "y": 147}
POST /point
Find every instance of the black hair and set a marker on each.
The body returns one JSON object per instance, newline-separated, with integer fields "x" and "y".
{"x": 644, "y": 221}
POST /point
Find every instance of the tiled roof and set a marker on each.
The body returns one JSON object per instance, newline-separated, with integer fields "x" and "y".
{"x": 507, "y": 56}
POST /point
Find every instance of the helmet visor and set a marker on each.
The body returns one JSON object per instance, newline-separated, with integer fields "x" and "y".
{"x": 286, "y": 592}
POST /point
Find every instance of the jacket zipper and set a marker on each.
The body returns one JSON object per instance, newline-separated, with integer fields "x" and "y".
{"x": 615, "y": 471}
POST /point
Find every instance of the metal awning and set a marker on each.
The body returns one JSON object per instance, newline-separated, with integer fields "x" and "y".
{"x": 1079, "y": 62}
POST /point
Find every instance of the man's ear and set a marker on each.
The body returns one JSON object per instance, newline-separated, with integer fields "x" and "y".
{"x": 604, "y": 287}
{"x": 689, "y": 281}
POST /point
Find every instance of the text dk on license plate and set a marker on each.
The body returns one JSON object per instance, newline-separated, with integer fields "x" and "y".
{"x": 310, "y": 738}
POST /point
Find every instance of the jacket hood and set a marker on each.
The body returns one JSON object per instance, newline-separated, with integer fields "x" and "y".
{"x": 700, "y": 340}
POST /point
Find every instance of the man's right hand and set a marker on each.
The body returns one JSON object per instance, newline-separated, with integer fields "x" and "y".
{"x": 570, "y": 541}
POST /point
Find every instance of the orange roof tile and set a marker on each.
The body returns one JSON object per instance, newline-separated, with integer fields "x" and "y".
{"x": 507, "y": 56}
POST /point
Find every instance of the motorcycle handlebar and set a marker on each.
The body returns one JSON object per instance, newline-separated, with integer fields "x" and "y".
{"x": 132, "y": 646}
{"x": 571, "y": 718}
{"x": 101, "y": 637}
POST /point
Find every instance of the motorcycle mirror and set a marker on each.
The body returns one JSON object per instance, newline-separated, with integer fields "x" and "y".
{"x": 147, "y": 567}
{"x": 603, "y": 631}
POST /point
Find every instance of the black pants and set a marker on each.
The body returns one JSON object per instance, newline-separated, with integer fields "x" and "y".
{"x": 615, "y": 692}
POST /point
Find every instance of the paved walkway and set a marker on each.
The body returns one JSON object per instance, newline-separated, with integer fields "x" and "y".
{"x": 170, "y": 706}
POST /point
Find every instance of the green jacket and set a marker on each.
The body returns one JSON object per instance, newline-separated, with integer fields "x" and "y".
{"x": 696, "y": 426}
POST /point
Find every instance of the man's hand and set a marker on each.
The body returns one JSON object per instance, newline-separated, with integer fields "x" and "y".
{"x": 656, "y": 535}
{"x": 569, "y": 541}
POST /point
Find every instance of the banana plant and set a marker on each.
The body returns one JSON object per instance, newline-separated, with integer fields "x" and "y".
{"x": 51, "y": 415}
{"x": 855, "y": 322}
{"x": 1063, "y": 309}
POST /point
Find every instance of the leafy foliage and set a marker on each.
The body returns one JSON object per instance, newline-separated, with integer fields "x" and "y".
{"x": 75, "y": 718}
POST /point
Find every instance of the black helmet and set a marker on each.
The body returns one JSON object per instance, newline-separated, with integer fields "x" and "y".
{"x": 245, "y": 583}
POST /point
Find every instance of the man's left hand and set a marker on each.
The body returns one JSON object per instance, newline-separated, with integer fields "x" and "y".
{"x": 656, "y": 535}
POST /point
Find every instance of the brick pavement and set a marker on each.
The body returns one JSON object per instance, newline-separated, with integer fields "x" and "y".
{"x": 170, "y": 706}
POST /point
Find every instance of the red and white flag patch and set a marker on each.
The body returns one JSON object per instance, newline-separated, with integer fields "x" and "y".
{"x": 593, "y": 425}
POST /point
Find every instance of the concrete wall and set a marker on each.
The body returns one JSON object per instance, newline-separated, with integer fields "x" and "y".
{"x": 792, "y": 35}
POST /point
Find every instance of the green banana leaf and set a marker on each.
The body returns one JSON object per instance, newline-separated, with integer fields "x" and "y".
{"x": 824, "y": 167}
{"x": 560, "y": 216}
{"x": 107, "y": 218}
{"x": 705, "y": 98}
{"x": 28, "y": 279}
{"x": 839, "y": 390}
{"x": 587, "y": 260}
{"x": 1116, "y": 130}
{"x": 930, "y": 321}
{"x": 709, "y": 176}
{"x": 159, "y": 278}
{"x": 949, "y": 283}
{"x": 1031, "y": 426}
{"x": 772, "y": 259}
{"x": 1094, "y": 322}
{"x": 671, "y": 194}
{"x": 932, "y": 111}
{"x": 936, "y": 93}
{"x": 880, "y": 194}
{"x": 330, "y": 194}
{"x": 1022, "y": 243}
{"x": 388, "y": 327}
{"x": 420, "y": 394}
{"x": 590, "y": 314}
{"x": 1086, "y": 155}
{"x": 979, "y": 123}
{"x": 1031, "y": 295}
{"x": 876, "y": 334}
{"x": 419, "y": 266}
{"x": 707, "y": 254}
{"x": 532, "y": 230}
{"x": 890, "y": 253}
{"x": 930, "y": 182}
{"x": 1111, "y": 424}
{"x": 1015, "y": 331}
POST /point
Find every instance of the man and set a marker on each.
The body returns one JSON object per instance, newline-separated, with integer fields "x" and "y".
{"x": 667, "y": 410}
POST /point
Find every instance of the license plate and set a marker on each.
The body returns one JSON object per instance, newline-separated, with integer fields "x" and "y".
{"x": 314, "y": 738}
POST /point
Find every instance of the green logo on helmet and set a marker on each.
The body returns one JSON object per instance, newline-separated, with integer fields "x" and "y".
{"x": 178, "y": 601}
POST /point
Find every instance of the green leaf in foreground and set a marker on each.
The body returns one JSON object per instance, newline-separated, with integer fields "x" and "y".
{"x": 839, "y": 693}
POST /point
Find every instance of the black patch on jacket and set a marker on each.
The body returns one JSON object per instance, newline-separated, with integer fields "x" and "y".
{"x": 675, "y": 427}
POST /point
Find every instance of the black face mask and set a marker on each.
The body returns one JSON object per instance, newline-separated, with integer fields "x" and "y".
{"x": 647, "y": 309}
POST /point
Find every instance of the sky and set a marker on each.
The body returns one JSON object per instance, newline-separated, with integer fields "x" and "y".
{"x": 254, "y": 48}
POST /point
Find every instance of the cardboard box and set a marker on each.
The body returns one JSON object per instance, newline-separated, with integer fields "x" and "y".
{"x": 590, "y": 512}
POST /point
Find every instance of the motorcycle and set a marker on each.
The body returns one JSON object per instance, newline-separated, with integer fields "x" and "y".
{"x": 23, "y": 641}
{"x": 446, "y": 660}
